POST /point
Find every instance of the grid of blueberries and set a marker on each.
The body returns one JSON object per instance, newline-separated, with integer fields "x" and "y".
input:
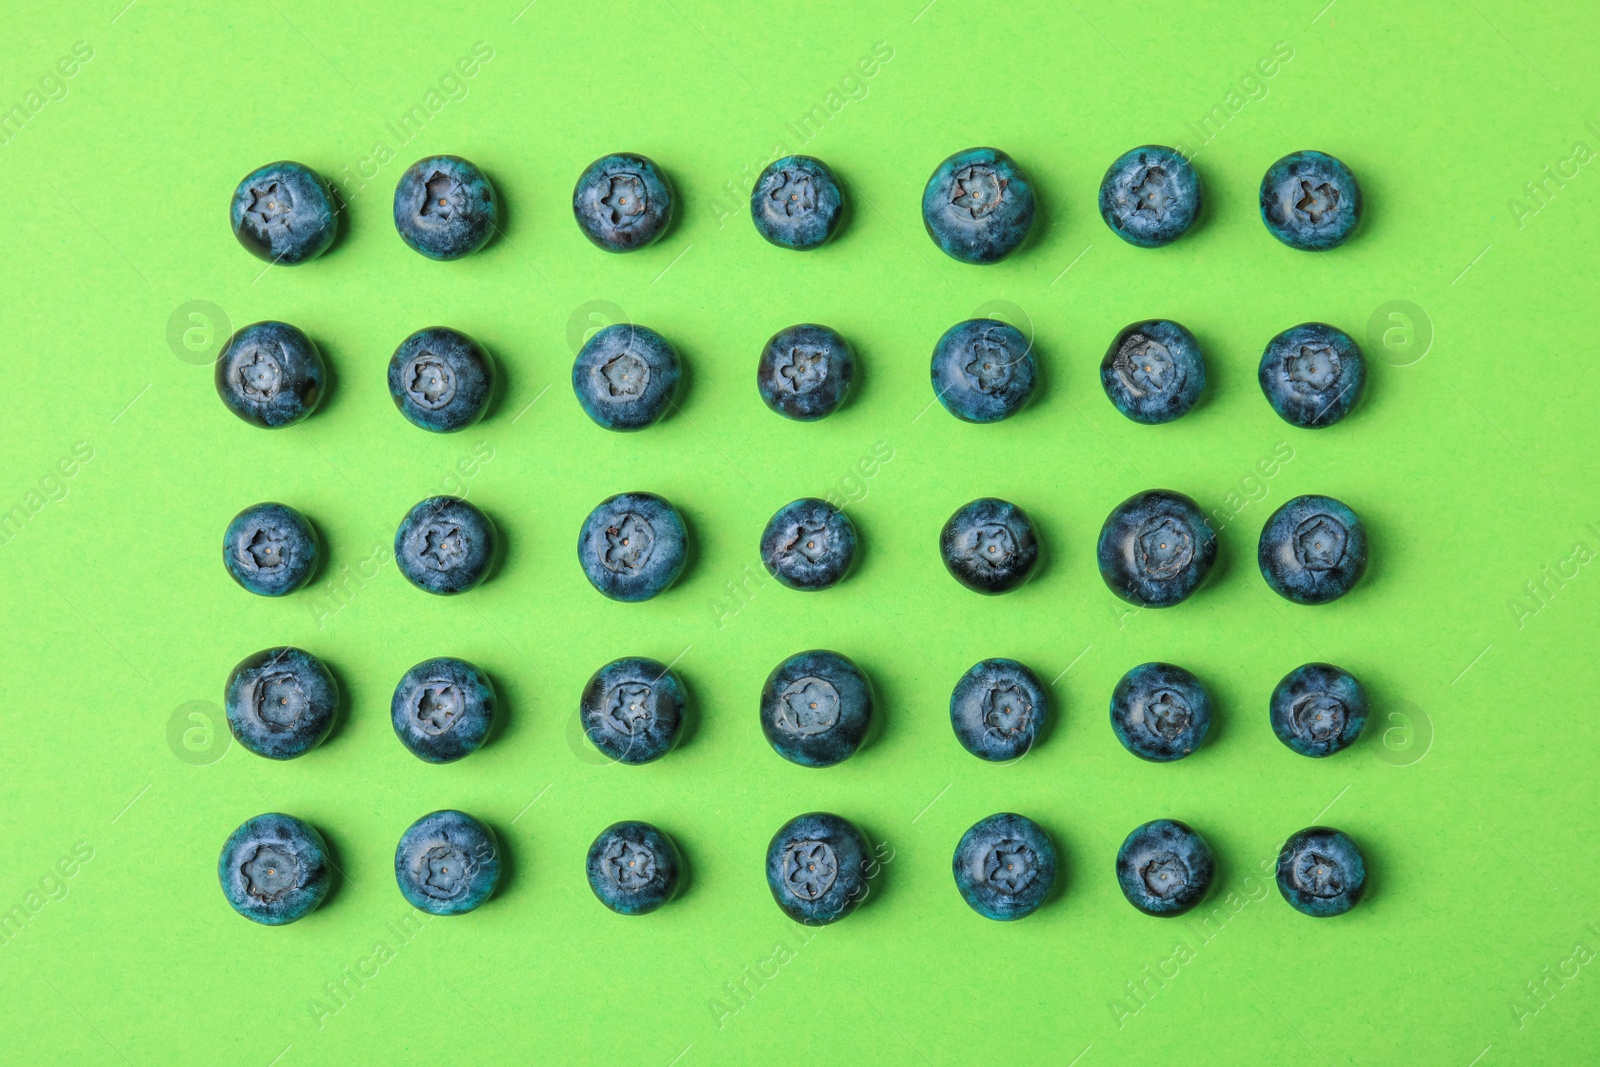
{"x": 1155, "y": 549}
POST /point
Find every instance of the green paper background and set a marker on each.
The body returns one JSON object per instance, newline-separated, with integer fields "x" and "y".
{"x": 1472, "y": 459}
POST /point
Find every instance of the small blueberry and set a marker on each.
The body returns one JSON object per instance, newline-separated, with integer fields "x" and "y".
{"x": 978, "y": 206}
{"x": 441, "y": 379}
{"x": 632, "y": 709}
{"x": 270, "y": 374}
{"x": 1318, "y": 709}
{"x": 1150, "y": 196}
{"x": 442, "y": 709}
{"x": 445, "y": 545}
{"x": 988, "y": 545}
{"x": 274, "y": 869}
{"x": 1156, "y": 549}
{"x": 1004, "y": 866}
{"x": 818, "y": 868}
{"x": 447, "y": 863}
{"x": 1310, "y": 201}
{"x": 1313, "y": 549}
{"x": 625, "y": 376}
{"x": 805, "y": 372}
{"x": 1154, "y": 371}
{"x": 270, "y": 549}
{"x": 622, "y": 202}
{"x": 633, "y": 868}
{"x": 1321, "y": 872}
{"x": 280, "y": 702}
{"x": 816, "y": 708}
{"x": 445, "y": 208}
{"x": 1160, "y": 712}
{"x": 284, "y": 213}
{"x": 1164, "y": 867}
{"x": 796, "y": 203}
{"x": 633, "y": 546}
{"x": 998, "y": 708}
{"x": 1312, "y": 374}
{"x": 808, "y": 544}
{"x": 983, "y": 370}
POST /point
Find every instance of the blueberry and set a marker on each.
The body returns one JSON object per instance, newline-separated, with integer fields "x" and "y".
{"x": 809, "y": 544}
{"x": 274, "y": 869}
{"x": 1312, "y": 550}
{"x": 818, "y": 868}
{"x": 1150, "y": 196}
{"x": 633, "y": 868}
{"x": 998, "y": 708}
{"x": 983, "y": 370}
{"x": 796, "y": 203}
{"x": 1318, "y": 709}
{"x": 978, "y": 207}
{"x": 442, "y": 709}
{"x": 625, "y": 376}
{"x": 1004, "y": 866}
{"x": 1321, "y": 872}
{"x": 1312, "y": 374}
{"x": 622, "y": 202}
{"x": 1164, "y": 867}
{"x": 445, "y": 545}
{"x": 281, "y": 702}
{"x": 284, "y": 213}
{"x": 447, "y": 863}
{"x": 988, "y": 546}
{"x": 1160, "y": 712}
{"x": 805, "y": 372}
{"x": 270, "y": 549}
{"x": 441, "y": 379}
{"x": 445, "y": 208}
{"x": 1310, "y": 201}
{"x": 633, "y": 546}
{"x": 816, "y": 708}
{"x": 1156, "y": 548}
{"x": 1154, "y": 372}
{"x": 632, "y": 709}
{"x": 270, "y": 374}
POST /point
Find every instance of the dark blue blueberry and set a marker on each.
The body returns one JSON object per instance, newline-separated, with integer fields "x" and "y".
{"x": 633, "y": 546}
{"x": 633, "y": 868}
{"x": 625, "y": 376}
{"x": 1160, "y": 712}
{"x": 270, "y": 549}
{"x": 796, "y": 203}
{"x": 1004, "y": 866}
{"x": 1150, "y": 196}
{"x": 988, "y": 546}
{"x": 622, "y": 202}
{"x": 1310, "y": 201}
{"x": 1164, "y": 867}
{"x": 442, "y": 709}
{"x": 816, "y": 708}
{"x": 283, "y": 213}
{"x": 441, "y": 379}
{"x": 445, "y": 208}
{"x": 818, "y": 866}
{"x": 809, "y": 544}
{"x": 998, "y": 708}
{"x": 447, "y": 863}
{"x": 270, "y": 374}
{"x": 1318, "y": 709}
{"x": 280, "y": 702}
{"x": 1312, "y": 374}
{"x": 632, "y": 709}
{"x": 978, "y": 207}
{"x": 983, "y": 370}
{"x": 805, "y": 372}
{"x": 445, "y": 545}
{"x": 1313, "y": 550}
{"x": 1321, "y": 872}
{"x": 1156, "y": 548}
{"x": 1154, "y": 372}
{"x": 274, "y": 869}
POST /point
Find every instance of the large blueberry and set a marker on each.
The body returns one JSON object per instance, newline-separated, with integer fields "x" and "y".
{"x": 445, "y": 208}
{"x": 441, "y": 379}
{"x": 998, "y": 708}
{"x": 796, "y": 203}
{"x": 978, "y": 206}
{"x": 1312, "y": 550}
{"x": 1164, "y": 867}
{"x": 808, "y": 544}
{"x": 633, "y": 546}
{"x": 983, "y": 370}
{"x": 1160, "y": 712}
{"x": 988, "y": 546}
{"x": 1150, "y": 196}
{"x": 275, "y": 869}
{"x": 445, "y": 545}
{"x": 270, "y": 549}
{"x": 284, "y": 213}
{"x": 442, "y": 709}
{"x": 1321, "y": 872}
{"x": 1310, "y": 201}
{"x": 632, "y": 709}
{"x": 805, "y": 372}
{"x": 270, "y": 374}
{"x": 447, "y": 863}
{"x": 622, "y": 202}
{"x": 818, "y": 868}
{"x": 1156, "y": 548}
{"x": 280, "y": 702}
{"x": 625, "y": 376}
{"x": 1154, "y": 371}
{"x": 1004, "y": 866}
{"x": 1312, "y": 374}
{"x": 816, "y": 708}
{"x": 1318, "y": 709}
{"x": 633, "y": 868}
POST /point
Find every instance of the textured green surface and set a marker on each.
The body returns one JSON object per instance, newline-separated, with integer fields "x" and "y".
{"x": 1472, "y": 793}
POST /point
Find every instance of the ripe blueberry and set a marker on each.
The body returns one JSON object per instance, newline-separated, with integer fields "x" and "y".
{"x": 1310, "y": 201}
{"x": 983, "y": 370}
{"x": 447, "y": 863}
{"x": 818, "y": 868}
{"x": 1321, "y": 872}
{"x": 808, "y": 544}
{"x": 270, "y": 374}
{"x": 284, "y": 213}
{"x": 270, "y": 549}
{"x": 274, "y": 869}
{"x": 805, "y": 372}
{"x": 1150, "y": 196}
{"x": 816, "y": 708}
{"x": 1312, "y": 550}
{"x": 622, "y": 202}
{"x": 1153, "y": 372}
{"x": 633, "y": 868}
{"x": 796, "y": 203}
{"x": 442, "y": 709}
{"x": 1156, "y": 548}
{"x": 1164, "y": 867}
{"x": 998, "y": 708}
{"x": 632, "y": 709}
{"x": 1004, "y": 866}
{"x": 445, "y": 208}
{"x": 978, "y": 206}
{"x": 625, "y": 376}
{"x": 1312, "y": 374}
{"x": 441, "y": 379}
{"x": 280, "y": 702}
{"x": 1318, "y": 709}
{"x": 445, "y": 545}
{"x": 1160, "y": 712}
{"x": 988, "y": 546}
{"x": 633, "y": 546}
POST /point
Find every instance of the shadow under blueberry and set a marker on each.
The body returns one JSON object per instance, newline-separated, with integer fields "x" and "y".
{"x": 506, "y": 696}
{"x": 686, "y": 867}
